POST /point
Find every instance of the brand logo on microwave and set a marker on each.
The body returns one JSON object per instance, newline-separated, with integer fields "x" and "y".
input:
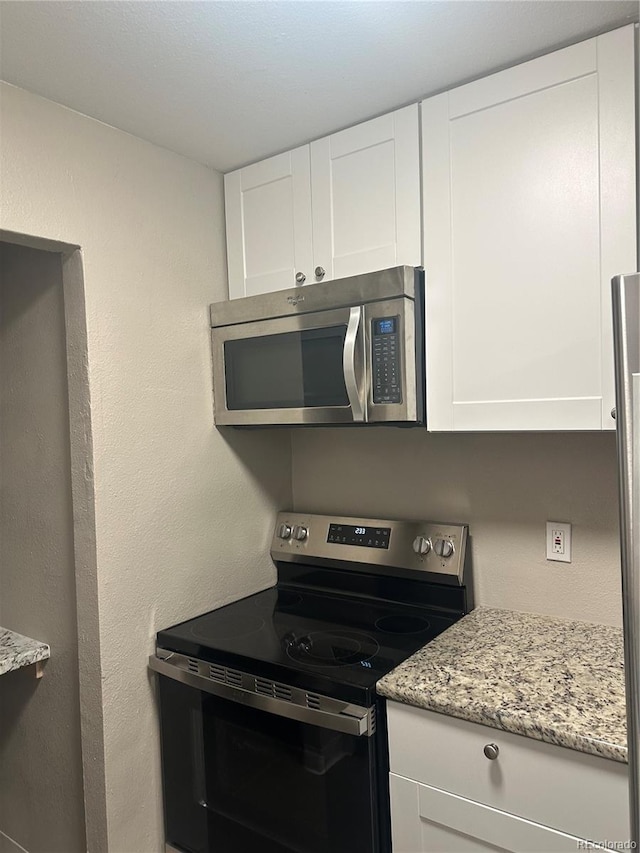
{"x": 293, "y": 300}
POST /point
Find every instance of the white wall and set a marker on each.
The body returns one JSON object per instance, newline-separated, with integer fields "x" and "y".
{"x": 183, "y": 513}
{"x": 39, "y": 718}
{"x": 504, "y": 486}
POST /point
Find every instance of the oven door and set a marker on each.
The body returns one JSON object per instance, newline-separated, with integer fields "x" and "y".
{"x": 307, "y": 369}
{"x": 239, "y": 778}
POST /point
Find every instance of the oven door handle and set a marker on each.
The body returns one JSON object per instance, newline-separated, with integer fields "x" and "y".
{"x": 336, "y": 715}
{"x": 349, "y": 364}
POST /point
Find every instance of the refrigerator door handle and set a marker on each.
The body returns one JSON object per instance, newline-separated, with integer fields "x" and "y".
{"x": 626, "y": 333}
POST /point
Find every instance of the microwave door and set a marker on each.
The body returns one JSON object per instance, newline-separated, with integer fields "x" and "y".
{"x": 301, "y": 370}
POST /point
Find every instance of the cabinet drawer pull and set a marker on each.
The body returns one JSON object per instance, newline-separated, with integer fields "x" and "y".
{"x": 320, "y": 272}
{"x": 300, "y": 278}
{"x": 492, "y": 751}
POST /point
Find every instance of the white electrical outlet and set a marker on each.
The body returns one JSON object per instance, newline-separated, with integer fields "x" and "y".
{"x": 558, "y": 541}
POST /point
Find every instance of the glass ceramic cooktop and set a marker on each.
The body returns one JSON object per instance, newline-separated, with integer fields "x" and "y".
{"x": 308, "y": 638}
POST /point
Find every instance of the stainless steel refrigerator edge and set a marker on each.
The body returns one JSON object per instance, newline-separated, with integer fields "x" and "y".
{"x": 626, "y": 334}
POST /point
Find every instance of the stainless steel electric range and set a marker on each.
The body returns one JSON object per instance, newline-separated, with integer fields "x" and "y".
{"x": 273, "y": 737}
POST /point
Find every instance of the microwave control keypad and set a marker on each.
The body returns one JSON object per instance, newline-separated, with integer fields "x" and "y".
{"x": 385, "y": 360}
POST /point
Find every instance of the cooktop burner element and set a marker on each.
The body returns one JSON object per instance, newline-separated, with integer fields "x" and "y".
{"x": 400, "y": 624}
{"x": 286, "y": 598}
{"x": 337, "y": 648}
{"x": 223, "y": 625}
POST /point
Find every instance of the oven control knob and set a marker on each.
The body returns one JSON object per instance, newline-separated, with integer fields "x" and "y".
{"x": 421, "y": 545}
{"x": 284, "y": 531}
{"x": 444, "y": 548}
{"x": 300, "y": 533}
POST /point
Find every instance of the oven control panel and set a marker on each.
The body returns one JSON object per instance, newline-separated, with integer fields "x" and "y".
{"x": 360, "y": 535}
{"x": 425, "y": 547}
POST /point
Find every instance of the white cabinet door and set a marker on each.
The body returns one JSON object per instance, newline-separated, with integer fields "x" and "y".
{"x": 268, "y": 215}
{"x": 425, "y": 819}
{"x": 366, "y": 196}
{"x": 529, "y": 210}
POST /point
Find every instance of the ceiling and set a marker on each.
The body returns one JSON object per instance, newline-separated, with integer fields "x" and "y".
{"x": 227, "y": 83}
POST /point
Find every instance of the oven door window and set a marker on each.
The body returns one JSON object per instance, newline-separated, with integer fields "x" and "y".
{"x": 238, "y": 779}
{"x": 293, "y": 370}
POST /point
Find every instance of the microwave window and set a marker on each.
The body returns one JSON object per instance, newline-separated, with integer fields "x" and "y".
{"x": 289, "y": 371}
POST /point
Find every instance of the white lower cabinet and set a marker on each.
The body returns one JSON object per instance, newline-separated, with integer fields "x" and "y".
{"x": 427, "y": 820}
{"x": 448, "y": 797}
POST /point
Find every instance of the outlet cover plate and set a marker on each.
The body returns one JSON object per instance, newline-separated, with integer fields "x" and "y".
{"x": 559, "y": 541}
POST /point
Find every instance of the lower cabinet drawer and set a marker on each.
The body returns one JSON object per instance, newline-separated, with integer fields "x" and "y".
{"x": 425, "y": 820}
{"x": 582, "y": 795}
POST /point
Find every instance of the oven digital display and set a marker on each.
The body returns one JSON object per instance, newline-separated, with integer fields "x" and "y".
{"x": 367, "y": 537}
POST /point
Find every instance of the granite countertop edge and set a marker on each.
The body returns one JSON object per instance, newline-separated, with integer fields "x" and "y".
{"x": 543, "y": 699}
{"x": 17, "y": 651}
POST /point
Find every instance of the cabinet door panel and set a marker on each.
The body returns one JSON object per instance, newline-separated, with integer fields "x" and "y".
{"x": 542, "y": 73}
{"x": 406, "y": 829}
{"x": 426, "y": 819}
{"x": 528, "y": 211}
{"x": 412, "y": 832}
{"x": 527, "y": 170}
{"x": 268, "y": 212}
{"x": 366, "y": 204}
{"x": 618, "y": 213}
{"x": 472, "y": 826}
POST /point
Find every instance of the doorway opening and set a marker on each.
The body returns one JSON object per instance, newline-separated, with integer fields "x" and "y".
{"x": 51, "y": 738}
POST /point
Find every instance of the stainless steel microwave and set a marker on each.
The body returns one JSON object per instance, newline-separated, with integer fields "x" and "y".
{"x": 348, "y": 351}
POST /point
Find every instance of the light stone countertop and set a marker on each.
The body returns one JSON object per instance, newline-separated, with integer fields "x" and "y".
{"x": 550, "y": 679}
{"x": 17, "y": 651}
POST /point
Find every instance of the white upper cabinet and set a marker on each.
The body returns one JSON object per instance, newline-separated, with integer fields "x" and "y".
{"x": 268, "y": 215}
{"x": 344, "y": 205}
{"x": 529, "y": 210}
{"x": 365, "y": 185}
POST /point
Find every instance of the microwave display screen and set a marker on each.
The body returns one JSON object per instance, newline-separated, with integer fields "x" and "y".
{"x": 367, "y": 537}
{"x": 385, "y": 326}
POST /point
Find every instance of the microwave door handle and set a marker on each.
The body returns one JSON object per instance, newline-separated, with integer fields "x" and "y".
{"x": 349, "y": 364}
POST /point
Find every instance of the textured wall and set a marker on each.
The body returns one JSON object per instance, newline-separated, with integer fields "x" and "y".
{"x": 183, "y": 512}
{"x": 39, "y": 720}
{"x": 505, "y": 486}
